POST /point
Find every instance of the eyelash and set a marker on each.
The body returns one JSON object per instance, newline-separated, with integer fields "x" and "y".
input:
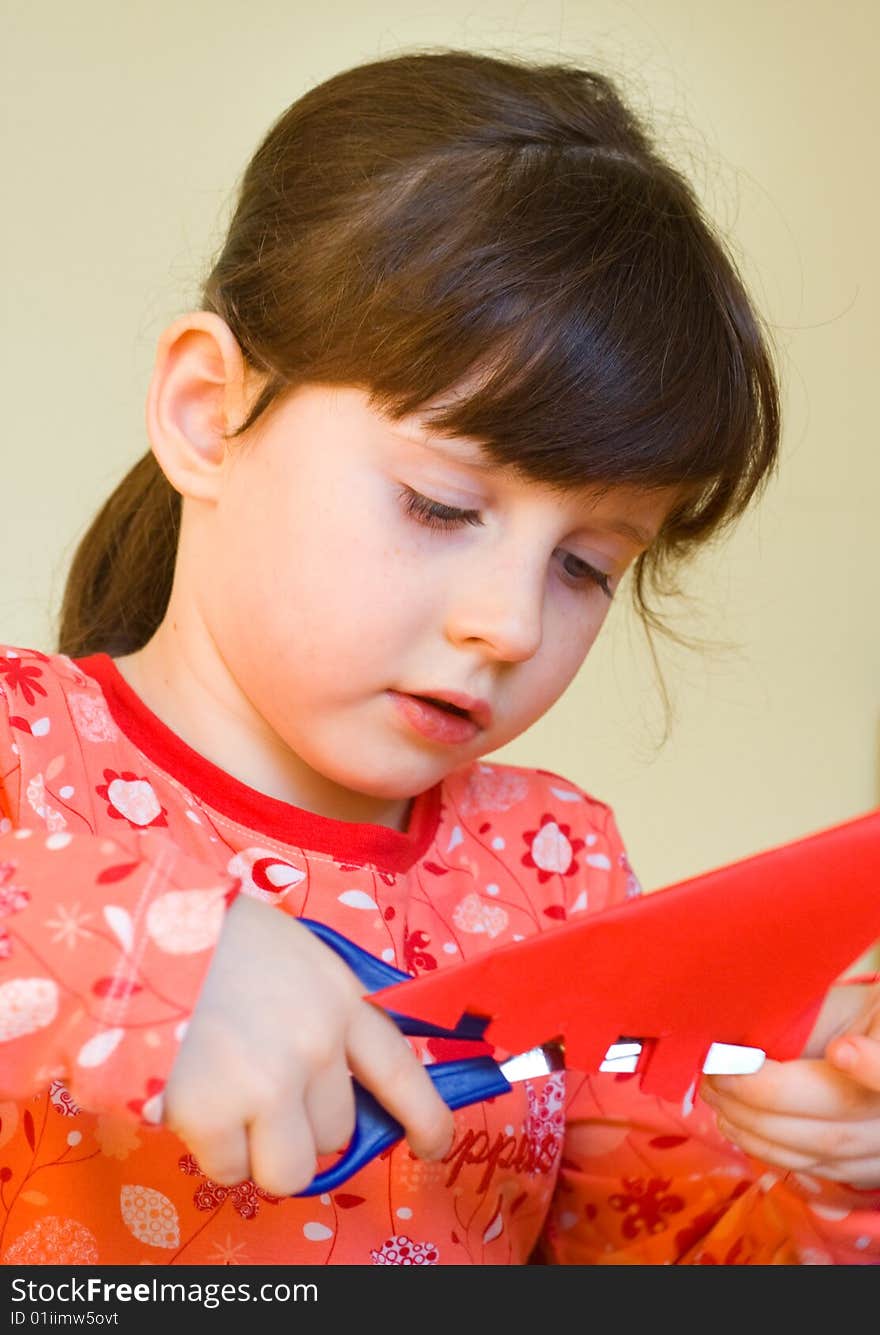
{"x": 433, "y": 514}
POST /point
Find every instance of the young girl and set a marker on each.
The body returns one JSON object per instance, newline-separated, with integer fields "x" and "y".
{"x": 470, "y": 354}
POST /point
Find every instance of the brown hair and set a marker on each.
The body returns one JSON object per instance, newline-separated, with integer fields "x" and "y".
{"x": 415, "y": 219}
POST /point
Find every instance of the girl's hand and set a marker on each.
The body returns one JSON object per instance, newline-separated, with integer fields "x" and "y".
{"x": 262, "y": 1082}
{"x": 819, "y": 1114}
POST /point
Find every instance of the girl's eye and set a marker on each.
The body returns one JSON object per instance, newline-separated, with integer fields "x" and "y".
{"x": 436, "y": 515}
{"x": 433, "y": 513}
{"x": 584, "y": 571}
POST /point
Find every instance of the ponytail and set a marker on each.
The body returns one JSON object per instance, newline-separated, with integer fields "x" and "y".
{"x": 120, "y": 578}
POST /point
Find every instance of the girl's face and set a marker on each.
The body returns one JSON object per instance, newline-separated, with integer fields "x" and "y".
{"x": 332, "y": 593}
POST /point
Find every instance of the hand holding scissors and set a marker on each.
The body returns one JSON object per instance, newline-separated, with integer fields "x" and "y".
{"x": 470, "y": 1079}
{"x": 640, "y": 967}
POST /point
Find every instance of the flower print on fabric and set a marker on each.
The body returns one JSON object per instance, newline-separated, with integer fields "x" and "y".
{"x": 645, "y": 1203}
{"x": 54, "y": 1241}
{"x": 26, "y": 1005}
{"x": 491, "y": 789}
{"x": 36, "y": 795}
{"x": 150, "y": 1216}
{"x": 13, "y": 898}
{"x": 551, "y": 849}
{"x": 185, "y": 922}
{"x": 91, "y": 717}
{"x": 415, "y": 952}
{"x": 228, "y": 1252}
{"x": 473, "y": 914}
{"x": 62, "y": 1100}
{"x": 69, "y": 925}
{"x": 117, "y": 1136}
{"x": 150, "y": 1107}
{"x": 131, "y": 798}
{"x": 245, "y": 1196}
{"x": 121, "y": 921}
{"x": 401, "y": 1250}
{"x": 264, "y": 875}
{"x": 21, "y": 679}
{"x": 545, "y": 1124}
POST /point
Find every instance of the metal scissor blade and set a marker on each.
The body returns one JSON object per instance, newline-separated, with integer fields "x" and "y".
{"x": 733, "y": 1059}
{"x": 623, "y": 1057}
{"x": 721, "y": 1059}
{"x": 535, "y": 1062}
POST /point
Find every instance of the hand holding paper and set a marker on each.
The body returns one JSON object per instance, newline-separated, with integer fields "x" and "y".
{"x": 815, "y": 1115}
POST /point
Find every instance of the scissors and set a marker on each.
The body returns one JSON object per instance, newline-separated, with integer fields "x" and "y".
{"x": 466, "y": 1080}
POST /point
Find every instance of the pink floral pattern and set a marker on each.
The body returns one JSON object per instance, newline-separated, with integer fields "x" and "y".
{"x": 23, "y": 679}
{"x": 13, "y": 898}
{"x": 552, "y": 849}
{"x": 645, "y": 1203}
{"x": 54, "y": 1241}
{"x": 131, "y": 798}
{"x": 245, "y": 1196}
{"x": 114, "y": 880}
{"x": 545, "y": 1125}
{"x": 416, "y": 956}
{"x": 493, "y": 788}
{"x": 401, "y": 1250}
{"x": 91, "y": 717}
{"x": 62, "y": 1100}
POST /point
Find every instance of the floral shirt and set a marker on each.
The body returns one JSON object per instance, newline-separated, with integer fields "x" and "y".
{"x": 120, "y": 850}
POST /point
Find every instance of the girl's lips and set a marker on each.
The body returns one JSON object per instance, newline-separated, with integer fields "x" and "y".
{"x": 437, "y": 724}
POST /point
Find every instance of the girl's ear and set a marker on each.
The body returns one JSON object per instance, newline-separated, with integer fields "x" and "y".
{"x": 198, "y": 394}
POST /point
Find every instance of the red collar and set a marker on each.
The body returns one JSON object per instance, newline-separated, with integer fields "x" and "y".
{"x": 345, "y": 841}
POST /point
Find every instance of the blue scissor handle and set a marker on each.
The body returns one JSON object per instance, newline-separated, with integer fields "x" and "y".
{"x": 376, "y": 974}
{"x": 468, "y": 1080}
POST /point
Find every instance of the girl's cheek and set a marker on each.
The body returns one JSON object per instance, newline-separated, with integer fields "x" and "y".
{"x": 579, "y": 622}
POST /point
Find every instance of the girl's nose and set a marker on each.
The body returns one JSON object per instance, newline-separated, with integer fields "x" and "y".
{"x": 504, "y": 610}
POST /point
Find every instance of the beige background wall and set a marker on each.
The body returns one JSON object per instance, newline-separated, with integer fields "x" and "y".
{"x": 124, "y": 130}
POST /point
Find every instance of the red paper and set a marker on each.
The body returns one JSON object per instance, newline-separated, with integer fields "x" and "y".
{"x": 743, "y": 954}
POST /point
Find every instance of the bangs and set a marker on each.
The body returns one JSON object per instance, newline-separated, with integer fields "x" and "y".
{"x": 578, "y": 325}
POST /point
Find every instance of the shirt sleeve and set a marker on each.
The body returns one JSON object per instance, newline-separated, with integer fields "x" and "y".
{"x": 646, "y": 1182}
{"x": 104, "y": 947}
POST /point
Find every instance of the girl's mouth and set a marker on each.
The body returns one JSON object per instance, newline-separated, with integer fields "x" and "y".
{"x": 443, "y": 704}
{"x": 437, "y": 720}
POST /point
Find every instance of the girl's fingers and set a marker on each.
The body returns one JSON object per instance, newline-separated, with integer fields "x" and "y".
{"x": 383, "y": 1061}
{"x": 282, "y": 1149}
{"x": 329, "y": 1106}
{"x": 863, "y": 1174}
{"x": 221, "y": 1153}
{"x": 801, "y": 1088}
{"x": 768, "y": 1151}
{"x": 858, "y": 1057}
{"x": 810, "y": 1137}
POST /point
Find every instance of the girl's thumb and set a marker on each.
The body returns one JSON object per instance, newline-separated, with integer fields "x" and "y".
{"x": 858, "y": 1056}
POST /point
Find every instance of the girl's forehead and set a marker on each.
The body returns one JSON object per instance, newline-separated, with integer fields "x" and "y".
{"x": 633, "y": 512}
{"x": 630, "y": 500}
